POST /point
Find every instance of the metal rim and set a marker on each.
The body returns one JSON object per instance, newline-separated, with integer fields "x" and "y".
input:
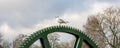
{"x": 42, "y": 35}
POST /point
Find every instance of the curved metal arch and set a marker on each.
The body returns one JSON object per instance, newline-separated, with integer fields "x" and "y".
{"x": 42, "y": 35}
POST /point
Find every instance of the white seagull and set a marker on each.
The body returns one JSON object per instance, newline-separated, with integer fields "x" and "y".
{"x": 61, "y": 21}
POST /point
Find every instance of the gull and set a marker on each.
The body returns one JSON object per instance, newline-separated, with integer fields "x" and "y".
{"x": 61, "y": 21}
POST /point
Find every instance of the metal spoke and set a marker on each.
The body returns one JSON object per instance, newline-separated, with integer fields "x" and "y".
{"x": 78, "y": 43}
{"x": 45, "y": 43}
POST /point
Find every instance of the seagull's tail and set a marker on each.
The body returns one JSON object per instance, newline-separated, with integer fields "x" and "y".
{"x": 66, "y": 22}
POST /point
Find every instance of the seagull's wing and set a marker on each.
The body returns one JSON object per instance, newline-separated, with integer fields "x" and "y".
{"x": 61, "y": 20}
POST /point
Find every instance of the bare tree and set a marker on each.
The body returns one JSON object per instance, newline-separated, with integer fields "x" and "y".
{"x": 104, "y": 27}
{"x": 18, "y": 40}
{"x": 53, "y": 39}
{"x": 35, "y": 46}
{"x": 6, "y": 44}
{"x": 1, "y": 40}
{"x": 0, "y": 37}
{"x": 84, "y": 45}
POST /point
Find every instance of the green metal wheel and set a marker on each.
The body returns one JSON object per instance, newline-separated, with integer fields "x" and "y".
{"x": 43, "y": 33}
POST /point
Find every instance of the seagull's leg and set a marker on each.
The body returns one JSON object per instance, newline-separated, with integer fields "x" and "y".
{"x": 59, "y": 24}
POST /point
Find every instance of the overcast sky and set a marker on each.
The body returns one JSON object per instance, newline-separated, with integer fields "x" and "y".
{"x": 27, "y": 16}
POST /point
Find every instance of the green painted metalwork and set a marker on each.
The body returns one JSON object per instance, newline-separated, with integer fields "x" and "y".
{"x": 42, "y": 36}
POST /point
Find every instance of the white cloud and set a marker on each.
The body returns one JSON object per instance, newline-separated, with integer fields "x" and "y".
{"x": 7, "y": 32}
{"x": 12, "y": 11}
{"x": 100, "y": 6}
{"x": 46, "y": 23}
{"x": 76, "y": 20}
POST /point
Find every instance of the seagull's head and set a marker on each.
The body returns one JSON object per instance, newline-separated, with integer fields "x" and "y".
{"x": 56, "y": 16}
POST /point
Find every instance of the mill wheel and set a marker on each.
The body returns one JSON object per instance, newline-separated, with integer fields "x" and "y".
{"x": 43, "y": 33}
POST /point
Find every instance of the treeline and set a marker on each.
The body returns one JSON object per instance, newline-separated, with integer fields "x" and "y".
{"x": 53, "y": 39}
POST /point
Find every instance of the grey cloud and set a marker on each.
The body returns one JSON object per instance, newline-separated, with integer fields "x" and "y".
{"x": 28, "y": 12}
